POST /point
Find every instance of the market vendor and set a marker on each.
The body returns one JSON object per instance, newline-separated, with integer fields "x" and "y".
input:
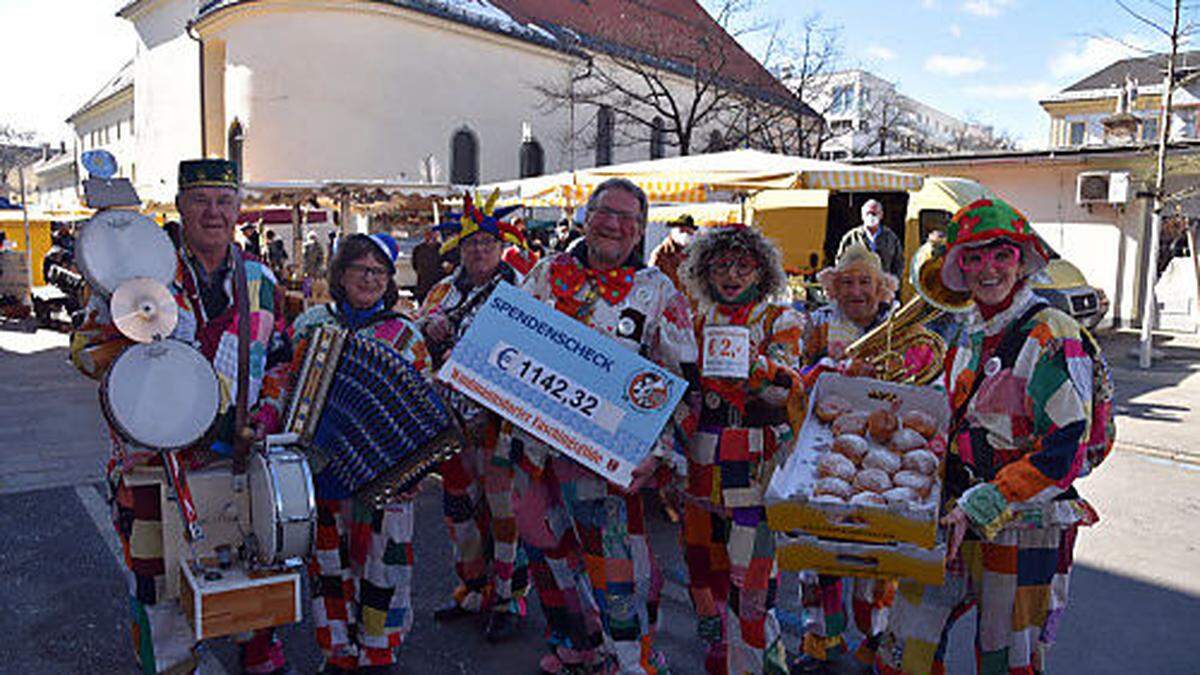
{"x": 590, "y": 556}
{"x": 1021, "y": 389}
{"x": 751, "y": 409}
{"x": 861, "y": 296}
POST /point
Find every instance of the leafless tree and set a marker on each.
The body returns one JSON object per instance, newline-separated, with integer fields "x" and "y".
{"x": 14, "y": 151}
{"x": 816, "y": 55}
{"x": 669, "y": 89}
{"x": 889, "y": 127}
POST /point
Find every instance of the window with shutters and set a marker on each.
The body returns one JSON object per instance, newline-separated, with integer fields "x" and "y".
{"x": 658, "y": 139}
{"x": 235, "y": 144}
{"x": 604, "y": 136}
{"x": 464, "y": 157}
{"x": 532, "y": 161}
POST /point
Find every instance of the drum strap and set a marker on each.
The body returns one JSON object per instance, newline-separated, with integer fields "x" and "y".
{"x": 241, "y": 444}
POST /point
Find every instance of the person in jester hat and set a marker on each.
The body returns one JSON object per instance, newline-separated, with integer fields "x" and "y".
{"x": 477, "y": 483}
{"x": 590, "y": 558}
{"x": 750, "y": 411}
{"x": 362, "y": 562}
{"x": 1021, "y": 390}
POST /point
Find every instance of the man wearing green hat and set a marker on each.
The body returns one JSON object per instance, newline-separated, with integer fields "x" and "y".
{"x": 207, "y": 291}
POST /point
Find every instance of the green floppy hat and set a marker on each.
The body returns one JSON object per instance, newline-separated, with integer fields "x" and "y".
{"x": 982, "y": 222}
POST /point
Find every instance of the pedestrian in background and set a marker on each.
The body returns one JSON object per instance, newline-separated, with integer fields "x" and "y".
{"x": 879, "y": 239}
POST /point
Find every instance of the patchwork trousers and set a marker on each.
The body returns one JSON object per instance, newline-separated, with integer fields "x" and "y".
{"x": 1018, "y": 582}
{"x": 361, "y": 574}
{"x": 825, "y": 619}
{"x": 478, "y": 506}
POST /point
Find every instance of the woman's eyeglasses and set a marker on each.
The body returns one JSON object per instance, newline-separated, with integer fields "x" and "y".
{"x": 1000, "y": 257}
{"x": 367, "y": 271}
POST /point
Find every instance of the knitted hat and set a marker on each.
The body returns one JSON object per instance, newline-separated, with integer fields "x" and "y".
{"x": 460, "y": 226}
{"x": 858, "y": 255}
{"x": 387, "y": 244}
{"x": 713, "y": 241}
{"x": 983, "y": 222}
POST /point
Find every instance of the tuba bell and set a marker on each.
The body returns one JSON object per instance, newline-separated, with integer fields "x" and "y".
{"x": 902, "y": 349}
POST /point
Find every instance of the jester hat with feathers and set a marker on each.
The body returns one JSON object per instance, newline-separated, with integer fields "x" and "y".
{"x": 460, "y": 226}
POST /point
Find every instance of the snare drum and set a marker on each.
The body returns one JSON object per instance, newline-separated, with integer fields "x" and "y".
{"x": 163, "y": 395}
{"x": 116, "y": 246}
{"x": 283, "y": 505}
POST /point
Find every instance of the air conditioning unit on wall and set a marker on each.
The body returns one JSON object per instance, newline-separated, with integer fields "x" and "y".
{"x": 1102, "y": 187}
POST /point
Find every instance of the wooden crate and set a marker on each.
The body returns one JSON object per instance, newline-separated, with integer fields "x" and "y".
{"x": 789, "y": 507}
{"x": 857, "y": 559}
{"x": 239, "y": 601}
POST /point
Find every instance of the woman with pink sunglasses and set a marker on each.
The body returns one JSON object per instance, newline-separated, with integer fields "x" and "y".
{"x": 1020, "y": 388}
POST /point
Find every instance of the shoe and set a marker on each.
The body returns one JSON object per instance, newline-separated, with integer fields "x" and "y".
{"x": 807, "y": 665}
{"x": 450, "y": 612}
{"x": 501, "y": 626}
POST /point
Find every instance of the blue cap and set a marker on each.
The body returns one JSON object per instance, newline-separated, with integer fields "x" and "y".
{"x": 387, "y": 244}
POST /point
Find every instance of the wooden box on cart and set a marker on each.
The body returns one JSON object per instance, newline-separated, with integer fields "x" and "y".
{"x": 790, "y": 507}
{"x": 239, "y": 600}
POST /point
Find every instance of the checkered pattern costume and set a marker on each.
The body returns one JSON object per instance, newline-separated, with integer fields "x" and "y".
{"x": 590, "y": 559}
{"x": 1021, "y": 440}
{"x": 361, "y": 569}
{"x": 477, "y": 486}
{"x": 160, "y": 642}
{"x": 728, "y": 548}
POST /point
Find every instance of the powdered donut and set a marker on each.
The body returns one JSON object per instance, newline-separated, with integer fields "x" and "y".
{"x": 832, "y": 408}
{"x": 920, "y": 422}
{"x": 875, "y": 480}
{"x": 853, "y": 447}
{"x": 900, "y": 496}
{"x": 923, "y": 462}
{"x": 833, "y": 486}
{"x": 850, "y": 423}
{"x": 836, "y": 465}
{"x": 881, "y": 424}
{"x": 888, "y": 462}
{"x": 919, "y": 482}
{"x": 868, "y": 498}
{"x": 906, "y": 439}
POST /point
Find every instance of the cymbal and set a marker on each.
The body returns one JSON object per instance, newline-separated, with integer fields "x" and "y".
{"x": 143, "y": 309}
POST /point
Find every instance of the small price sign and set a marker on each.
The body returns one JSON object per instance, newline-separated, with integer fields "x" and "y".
{"x": 726, "y": 352}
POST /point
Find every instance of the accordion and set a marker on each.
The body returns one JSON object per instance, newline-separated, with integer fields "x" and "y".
{"x": 366, "y": 416}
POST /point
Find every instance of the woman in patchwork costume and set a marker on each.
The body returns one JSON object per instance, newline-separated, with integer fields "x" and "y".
{"x": 1021, "y": 392}
{"x": 361, "y": 569}
{"x": 750, "y": 409}
{"x": 860, "y": 298}
{"x": 477, "y": 483}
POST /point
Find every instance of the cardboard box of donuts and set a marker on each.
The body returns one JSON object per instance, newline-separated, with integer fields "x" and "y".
{"x": 859, "y": 493}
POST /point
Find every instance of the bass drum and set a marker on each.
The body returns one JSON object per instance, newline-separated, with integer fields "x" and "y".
{"x": 283, "y": 505}
{"x": 116, "y": 246}
{"x": 163, "y": 395}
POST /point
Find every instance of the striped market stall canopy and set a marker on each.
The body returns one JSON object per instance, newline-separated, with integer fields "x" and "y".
{"x": 690, "y": 179}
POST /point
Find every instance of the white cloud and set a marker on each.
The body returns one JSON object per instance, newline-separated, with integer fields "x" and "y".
{"x": 985, "y": 8}
{"x": 929, "y": 4}
{"x": 1083, "y": 57}
{"x": 955, "y": 30}
{"x": 1011, "y": 91}
{"x": 949, "y": 64}
{"x": 880, "y": 52}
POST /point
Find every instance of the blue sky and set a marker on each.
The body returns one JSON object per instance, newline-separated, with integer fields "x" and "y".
{"x": 990, "y": 59}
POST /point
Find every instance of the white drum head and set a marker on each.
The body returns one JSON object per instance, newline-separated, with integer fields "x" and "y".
{"x": 263, "y": 517}
{"x": 115, "y": 246}
{"x": 163, "y": 395}
{"x": 282, "y": 504}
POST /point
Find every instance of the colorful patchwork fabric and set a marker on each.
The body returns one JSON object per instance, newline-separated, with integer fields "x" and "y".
{"x": 1023, "y": 429}
{"x": 361, "y": 574}
{"x": 826, "y": 620}
{"x": 1017, "y": 582}
{"x": 97, "y": 343}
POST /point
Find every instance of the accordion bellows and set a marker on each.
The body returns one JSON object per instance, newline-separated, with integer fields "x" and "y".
{"x": 367, "y": 416}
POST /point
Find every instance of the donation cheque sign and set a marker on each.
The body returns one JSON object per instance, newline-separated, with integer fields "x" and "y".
{"x": 564, "y": 383}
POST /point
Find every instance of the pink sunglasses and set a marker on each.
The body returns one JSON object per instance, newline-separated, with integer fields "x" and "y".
{"x": 1002, "y": 256}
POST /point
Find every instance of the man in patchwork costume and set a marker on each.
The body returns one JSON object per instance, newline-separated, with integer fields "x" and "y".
{"x": 589, "y": 554}
{"x": 751, "y": 408}
{"x": 860, "y": 294}
{"x": 204, "y": 291}
{"x": 1021, "y": 389}
{"x": 477, "y": 483}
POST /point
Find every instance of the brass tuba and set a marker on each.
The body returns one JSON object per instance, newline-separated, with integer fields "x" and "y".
{"x": 887, "y": 345}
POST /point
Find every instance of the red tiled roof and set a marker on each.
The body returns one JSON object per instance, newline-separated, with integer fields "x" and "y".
{"x": 673, "y": 29}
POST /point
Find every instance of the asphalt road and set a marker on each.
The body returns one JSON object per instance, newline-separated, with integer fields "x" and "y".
{"x": 1135, "y": 596}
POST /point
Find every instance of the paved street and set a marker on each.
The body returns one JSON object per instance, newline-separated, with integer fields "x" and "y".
{"x": 1135, "y": 597}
